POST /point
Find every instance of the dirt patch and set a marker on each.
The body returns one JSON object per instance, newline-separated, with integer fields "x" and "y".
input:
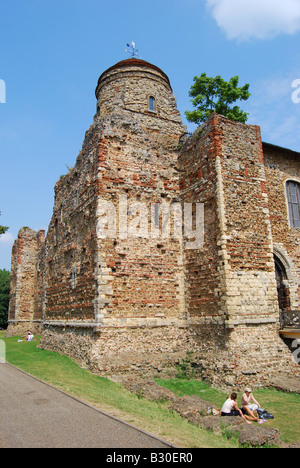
{"x": 149, "y": 390}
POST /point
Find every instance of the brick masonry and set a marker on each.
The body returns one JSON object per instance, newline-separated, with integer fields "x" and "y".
{"x": 134, "y": 299}
{"x": 26, "y": 289}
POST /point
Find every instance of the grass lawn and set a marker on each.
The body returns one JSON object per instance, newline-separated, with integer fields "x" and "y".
{"x": 63, "y": 373}
{"x": 284, "y": 406}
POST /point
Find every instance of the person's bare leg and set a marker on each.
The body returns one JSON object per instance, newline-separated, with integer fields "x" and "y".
{"x": 250, "y": 415}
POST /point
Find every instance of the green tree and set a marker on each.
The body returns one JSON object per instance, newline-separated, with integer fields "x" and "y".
{"x": 4, "y": 297}
{"x": 217, "y": 95}
{"x": 3, "y": 229}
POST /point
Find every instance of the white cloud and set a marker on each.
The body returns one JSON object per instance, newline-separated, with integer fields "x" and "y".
{"x": 272, "y": 108}
{"x": 7, "y": 239}
{"x": 243, "y": 20}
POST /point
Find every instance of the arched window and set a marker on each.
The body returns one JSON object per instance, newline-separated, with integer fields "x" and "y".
{"x": 282, "y": 285}
{"x": 293, "y": 198}
{"x": 152, "y": 106}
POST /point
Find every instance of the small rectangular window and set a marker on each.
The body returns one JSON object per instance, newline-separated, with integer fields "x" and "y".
{"x": 152, "y": 104}
{"x": 293, "y": 197}
{"x": 76, "y": 198}
{"x": 74, "y": 278}
{"x": 156, "y": 214}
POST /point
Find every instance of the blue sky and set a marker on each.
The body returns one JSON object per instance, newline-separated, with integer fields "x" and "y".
{"x": 52, "y": 54}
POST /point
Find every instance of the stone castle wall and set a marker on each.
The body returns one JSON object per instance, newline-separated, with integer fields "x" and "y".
{"x": 198, "y": 184}
{"x": 128, "y": 87}
{"x": 113, "y": 291}
{"x": 71, "y": 240}
{"x": 230, "y": 322}
{"x": 280, "y": 166}
{"x": 95, "y": 280}
{"x": 26, "y": 283}
{"x": 223, "y": 168}
{"x": 234, "y": 272}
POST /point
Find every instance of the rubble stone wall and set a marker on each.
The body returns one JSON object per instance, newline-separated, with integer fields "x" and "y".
{"x": 71, "y": 240}
{"x": 116, "y": 291}
{"x": 238, "y": 278}
{"x": 198, "y": 184}
{"x": 25, "y": 285}
{"x": 280, "y": 166}
{"x": 140, "y": 272}
{"x": 129, "y": 85}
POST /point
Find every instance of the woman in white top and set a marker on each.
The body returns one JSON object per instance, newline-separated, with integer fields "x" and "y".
{"x": 29, "y": 336}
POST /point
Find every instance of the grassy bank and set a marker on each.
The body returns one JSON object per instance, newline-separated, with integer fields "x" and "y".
{"x": 284, "y": 406}
{"x": 61, "y": 372}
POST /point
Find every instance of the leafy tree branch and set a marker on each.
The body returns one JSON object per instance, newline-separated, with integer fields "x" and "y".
{"x": 217, "y": 95}
{"x": 3, "y": 229}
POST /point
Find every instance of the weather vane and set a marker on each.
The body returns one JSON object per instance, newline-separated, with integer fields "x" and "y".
{"x": 132, "y": 50}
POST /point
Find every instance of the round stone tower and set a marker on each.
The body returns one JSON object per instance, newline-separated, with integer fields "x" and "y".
{"x": 137, "y": 86}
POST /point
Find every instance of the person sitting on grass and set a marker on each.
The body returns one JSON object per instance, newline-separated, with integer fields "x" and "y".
{"x": 247, "y": 410}
{"x": 29, "y": 336}
{"x": 230, "y": 408}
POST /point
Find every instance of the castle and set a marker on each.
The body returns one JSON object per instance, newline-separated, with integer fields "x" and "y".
{"x": 163, "y": 244}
